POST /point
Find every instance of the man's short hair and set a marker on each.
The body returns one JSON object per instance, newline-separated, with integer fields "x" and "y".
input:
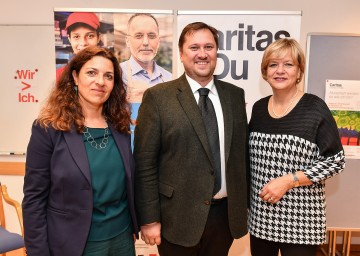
{"x": 142, "y": 14}
{"x": 195, "y": 26}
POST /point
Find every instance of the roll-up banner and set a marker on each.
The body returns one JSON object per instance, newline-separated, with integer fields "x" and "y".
{"x": 243, "y": 37}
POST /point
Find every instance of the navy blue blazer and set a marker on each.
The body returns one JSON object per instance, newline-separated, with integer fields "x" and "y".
{"x": 58, "y": 200}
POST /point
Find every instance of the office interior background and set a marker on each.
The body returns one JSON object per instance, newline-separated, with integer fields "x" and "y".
{"x": 321, "y": 16}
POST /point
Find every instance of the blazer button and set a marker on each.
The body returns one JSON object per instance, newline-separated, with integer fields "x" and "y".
{"x": 207, "y": 202}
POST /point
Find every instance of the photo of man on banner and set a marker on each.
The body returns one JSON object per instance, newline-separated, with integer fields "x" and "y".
{"x": 145, "y": 52}
{"x": 141, "y": 70}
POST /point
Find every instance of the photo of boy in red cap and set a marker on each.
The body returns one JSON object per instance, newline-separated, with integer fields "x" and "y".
{"x": 83, "y": 30}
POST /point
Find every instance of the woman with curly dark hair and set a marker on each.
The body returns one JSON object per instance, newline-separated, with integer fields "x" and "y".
{"x": 78, "y": 187}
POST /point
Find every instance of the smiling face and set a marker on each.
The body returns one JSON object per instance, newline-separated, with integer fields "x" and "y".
{"x": 199, "y": 55}
{"x": 282, "y": 73}
{"x": 82, "y": 37}
{"x": 95, "y": 82}
{"x": 143, "y": 39}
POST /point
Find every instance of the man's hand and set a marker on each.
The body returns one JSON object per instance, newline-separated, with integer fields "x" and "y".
{"x": 151, "y": 233}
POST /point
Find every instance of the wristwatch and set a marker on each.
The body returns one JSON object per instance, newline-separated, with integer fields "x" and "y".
{"x": 296, "y": 180}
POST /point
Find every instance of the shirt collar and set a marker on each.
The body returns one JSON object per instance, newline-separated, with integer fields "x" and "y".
{"x": 195, "y": 86}
{"x": 136, "y": 68}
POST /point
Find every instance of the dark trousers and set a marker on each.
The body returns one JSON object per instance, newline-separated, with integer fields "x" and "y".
{"x": 262, "y": 247}
{"x": 122, "y": 244}
{"x": 215, "y": 241}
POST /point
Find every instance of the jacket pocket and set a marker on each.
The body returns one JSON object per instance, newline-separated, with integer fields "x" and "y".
{"x": 55, "y": 210}
{"x": 58, "y": 227}
{"x": 166, "y": 190}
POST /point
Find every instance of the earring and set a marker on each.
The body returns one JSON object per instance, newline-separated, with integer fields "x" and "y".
{"x": 297, "y": 80}
{"x": 76, "y": 91}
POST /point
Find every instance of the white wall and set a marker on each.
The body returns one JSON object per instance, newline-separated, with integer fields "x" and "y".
{"x": 318, "y": 16}
{"x": 326, "y": 16}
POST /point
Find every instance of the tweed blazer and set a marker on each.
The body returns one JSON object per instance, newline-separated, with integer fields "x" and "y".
{"x": 58, "y": 200}
{"x": 174, "y": 177}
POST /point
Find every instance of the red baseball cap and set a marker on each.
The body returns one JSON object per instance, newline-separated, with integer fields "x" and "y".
{"x": 88, "y": 18}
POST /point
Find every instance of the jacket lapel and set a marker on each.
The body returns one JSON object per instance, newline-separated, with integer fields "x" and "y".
{"x": 191, "y": 109}
{"x": 225, "y": 99}
{"x": 77, "y": 150}
{"x": 122, "y": 145}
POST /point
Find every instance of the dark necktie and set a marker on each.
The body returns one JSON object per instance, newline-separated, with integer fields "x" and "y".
{"x": 212, "y": 131}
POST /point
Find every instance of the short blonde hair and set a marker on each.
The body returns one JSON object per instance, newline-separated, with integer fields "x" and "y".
{"x": 278, "y": 49}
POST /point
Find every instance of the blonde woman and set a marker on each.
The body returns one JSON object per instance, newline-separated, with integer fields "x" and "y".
{"x": 294, "y": 147}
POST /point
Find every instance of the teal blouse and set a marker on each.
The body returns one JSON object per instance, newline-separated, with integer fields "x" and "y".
{"x": 110, "y": 212}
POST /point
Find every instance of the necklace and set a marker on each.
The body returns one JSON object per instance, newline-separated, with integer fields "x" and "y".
{"x": 286, "y": 110}
{"x": 93, "y": 143}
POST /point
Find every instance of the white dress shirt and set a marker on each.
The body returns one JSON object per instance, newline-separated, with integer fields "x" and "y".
{"x": 214, "y": 97}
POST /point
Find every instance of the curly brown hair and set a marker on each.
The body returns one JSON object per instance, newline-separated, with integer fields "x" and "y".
{"x": 62, "y": 109}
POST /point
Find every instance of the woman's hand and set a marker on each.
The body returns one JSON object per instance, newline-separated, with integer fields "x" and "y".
{"x": 275, "y": 189}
